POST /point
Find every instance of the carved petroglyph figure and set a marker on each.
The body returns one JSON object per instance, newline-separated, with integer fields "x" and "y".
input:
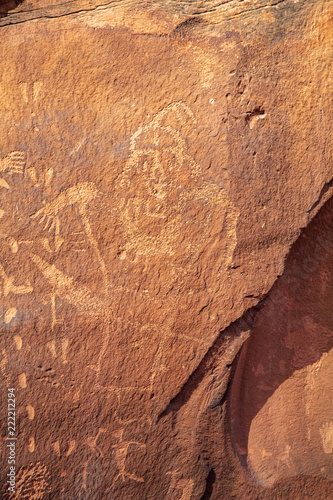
{"x": 13, "y": 163}
{"x": 178, "y": 483}
{"x": 91, "y": 442}
{"x": 80, "y": 195}
{"x": 164, "y": 187}
{"x": 65, "y": 288}
{"x": 120, "y": 455}
{"x": 9, "y": 287}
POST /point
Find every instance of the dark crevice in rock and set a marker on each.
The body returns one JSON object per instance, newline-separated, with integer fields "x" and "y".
{"x": 53, "y": 12}
{"x": 8, "y": 5}
{"x": 281, "y": 361}
{"x": 211, "y": 478}
{"x": 322, "y": 194}
{"x": 185, "y": 26}
{"x": 226, "y": 347}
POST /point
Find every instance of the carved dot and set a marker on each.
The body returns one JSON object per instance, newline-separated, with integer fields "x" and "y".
{"x": 31, "y": 412}
{"x": 22, "y": 380}
{"x": 10, "y": 314}
{"x": 18, "y": 342}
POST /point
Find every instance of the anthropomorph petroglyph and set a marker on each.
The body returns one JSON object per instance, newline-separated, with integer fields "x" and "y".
{"x": 165, "y": 190}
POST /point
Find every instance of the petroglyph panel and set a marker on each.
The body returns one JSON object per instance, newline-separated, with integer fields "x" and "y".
{"x": 142, "y": 211}
{"x": 169, "y": 210}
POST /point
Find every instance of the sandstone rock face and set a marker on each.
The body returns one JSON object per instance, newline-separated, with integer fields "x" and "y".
{"x": 158, "y": 162}
{"x": 280, "y": 399}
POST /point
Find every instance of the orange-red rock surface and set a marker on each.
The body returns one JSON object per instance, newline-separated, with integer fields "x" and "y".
{"x": 158, "y": 161}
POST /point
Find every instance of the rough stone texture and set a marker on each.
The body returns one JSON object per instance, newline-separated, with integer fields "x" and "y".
{"x": 158, "y": 161}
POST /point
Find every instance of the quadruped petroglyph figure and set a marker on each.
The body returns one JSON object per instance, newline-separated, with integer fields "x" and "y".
{"x": 158, "y": 197}
{"x": 120, "y": 455}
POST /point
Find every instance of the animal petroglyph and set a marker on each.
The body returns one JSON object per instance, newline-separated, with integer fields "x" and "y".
{"x": 120, "y": 455}
{"x": 79, "y": 195}
{"x": 65, "y": 287}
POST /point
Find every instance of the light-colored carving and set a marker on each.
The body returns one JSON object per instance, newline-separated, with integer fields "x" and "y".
{"x": 9, "y": 287}
{"x": 13, "y": 244}
{"x": 10, "y": 314}
{"x": 4, "y": 184}
{"x": 56, "y": 448}
{"x": 3, "y": 364}
{"x": 24, "y": 91}
{"x": 30, "y": 91}
{"x": 120, "y": 454}
{"x": 91, "y": 442}
{"x": 79, "y": 195}
{"x": 31, "y": 412}
{"x": 31, "y": 444}
{"x": 78, "y": 146}
{"x": 185, "y": 485}
{"x": 170, "y": 180}
{"x": 64, "y": 347}
{"x": 51, "y": 345}
{"x": 326, "y": 433}
{"x": 71, "y": 447}
{"x": 18, "y": 342}
{"x": 36, "y": 86}
{"x": 65, "y": 288}
{"x": 32, "y": 482}
{"x": 33, "y": 175}
{"x": 44, "y": 178}
{"x": 13, "y": 163}
{"x": 22, "y": 380}
{"x": 48, "y": 176}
